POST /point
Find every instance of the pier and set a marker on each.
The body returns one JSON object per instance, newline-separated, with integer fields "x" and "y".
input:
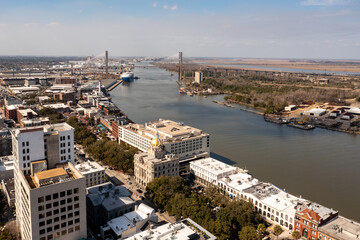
{"x": 114, "y": 85}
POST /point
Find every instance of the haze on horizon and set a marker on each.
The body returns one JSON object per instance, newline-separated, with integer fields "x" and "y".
{"x": 322, "y": 29}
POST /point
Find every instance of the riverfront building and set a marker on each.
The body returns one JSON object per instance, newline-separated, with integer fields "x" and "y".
{"x": 49, "y": 190}
{"x": 310, "y": 217}
{"x": 271, "y": 202}
{"x": 155, "y": 163}
{"x": 177, "y": 138}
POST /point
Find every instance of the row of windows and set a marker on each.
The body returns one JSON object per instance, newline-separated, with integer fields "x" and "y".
{"x": 62, "y": 138}
{"x": 57, "y": 226}
{"x": 57, "y": 234}
{"x": 56, "y": 195}
{"x": 56, "y": 204}
{"x": 56, "y": 211}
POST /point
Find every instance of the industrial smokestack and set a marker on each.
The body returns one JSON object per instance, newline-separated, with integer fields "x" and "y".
{"x": 107, "y": 64}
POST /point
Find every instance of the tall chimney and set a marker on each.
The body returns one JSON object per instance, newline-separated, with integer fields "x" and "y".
{"x": 107, "y": 64}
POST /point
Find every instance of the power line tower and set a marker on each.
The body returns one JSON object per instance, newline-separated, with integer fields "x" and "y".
{"x": 180, "y": 83}
{"x": 107, "y": 64}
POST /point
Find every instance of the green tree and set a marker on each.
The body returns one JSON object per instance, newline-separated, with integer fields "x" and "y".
{"x": 5, "y": 236}
{"x": 248, "y": 233}
{"x": 277, "y": 231}
{"x": 261, "y": 229}
{"x": 296, "y": 235}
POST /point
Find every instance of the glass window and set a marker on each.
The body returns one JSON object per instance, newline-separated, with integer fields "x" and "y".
{"x": 40, "y": 199}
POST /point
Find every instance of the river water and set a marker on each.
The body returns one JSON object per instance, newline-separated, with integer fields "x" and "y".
{"x": 320, "y": 165}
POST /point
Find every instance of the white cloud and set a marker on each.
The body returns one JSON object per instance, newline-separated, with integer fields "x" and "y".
{"x": 154, "y": 4}
{"x": 324, "y": 2}
{"x": 30, "y": 24}
{"x": 170, "y": 7}
{"x": 3, "y": 24}
{"x": 51, "y": 24}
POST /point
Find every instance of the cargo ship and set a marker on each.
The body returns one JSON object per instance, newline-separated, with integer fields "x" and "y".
{"x": 127, "y": 76}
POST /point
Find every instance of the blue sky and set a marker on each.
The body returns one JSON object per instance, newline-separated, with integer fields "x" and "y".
{"x": 223, "y": 28}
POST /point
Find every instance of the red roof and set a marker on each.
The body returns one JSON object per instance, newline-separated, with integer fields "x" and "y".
{"x": 310, "y": 215}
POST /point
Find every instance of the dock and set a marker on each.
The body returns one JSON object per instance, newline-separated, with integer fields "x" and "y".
{"x": 300, "y": 126}
{"x": 114, "y": 85}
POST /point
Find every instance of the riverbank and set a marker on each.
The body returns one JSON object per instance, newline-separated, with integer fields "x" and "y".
{"x": 274, "y": 153}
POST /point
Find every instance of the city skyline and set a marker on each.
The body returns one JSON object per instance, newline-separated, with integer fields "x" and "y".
{"x": 257, "y": 29}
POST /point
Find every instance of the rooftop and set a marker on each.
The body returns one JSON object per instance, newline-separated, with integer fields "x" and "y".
{"x": 316, "y": 110}
{"x": 166, "y": 129}
{"x": 178, "y": 230}
{"x": 52, "y": 176}
{"x": 56, "y": 172}
{"x": 25, "y": 112}
{"x": 263, "y": 190}
{"x": 214, "y": 166}
{"x": 128, "y": 220}
{"x": 320, "y": 210}
{"x": 109, "y": 195}
{"x": 342, "y": 228}
{"x": 89, "y": 167}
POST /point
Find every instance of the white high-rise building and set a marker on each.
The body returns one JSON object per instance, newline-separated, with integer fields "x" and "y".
{"x": 183, "y": 141}
{"x": 49, "y": 190}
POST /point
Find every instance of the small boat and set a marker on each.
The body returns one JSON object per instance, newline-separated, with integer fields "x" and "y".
{"x": 302, "y": 126}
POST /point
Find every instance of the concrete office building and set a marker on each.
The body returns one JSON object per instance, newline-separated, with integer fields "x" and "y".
{"x": 49, "y": 190}
{"x": 177, "y": 138}
{"x": 199, "y": 77}
{"x": 93, "y": 172}
{"x": 50, "y": 204}
{"x": 154, "y": 163}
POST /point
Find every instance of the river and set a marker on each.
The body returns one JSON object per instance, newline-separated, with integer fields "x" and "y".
{"x": 320, "y": 165}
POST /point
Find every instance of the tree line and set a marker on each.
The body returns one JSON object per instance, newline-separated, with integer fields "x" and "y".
{"x": 225, "y": 218}
{"x": 118, "y": 156}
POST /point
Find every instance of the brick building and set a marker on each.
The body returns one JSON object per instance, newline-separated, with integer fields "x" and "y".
{"x": 310, "y": 217}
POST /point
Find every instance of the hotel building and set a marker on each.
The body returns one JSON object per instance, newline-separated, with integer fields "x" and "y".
{"x": 184, "y": 141}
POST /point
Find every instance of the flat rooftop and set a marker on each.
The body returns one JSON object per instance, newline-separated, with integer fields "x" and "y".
{"x": 179, "y": 230}
{"x": 56, "y": 172}
{"x": 263, "y": 190}
{"x": 342, "y": 228}
{"x": 50, "y": 177}
{"x": 89, "y": 167}
{"x": 213, "y": 166}
{"x": 166, "y": 129}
